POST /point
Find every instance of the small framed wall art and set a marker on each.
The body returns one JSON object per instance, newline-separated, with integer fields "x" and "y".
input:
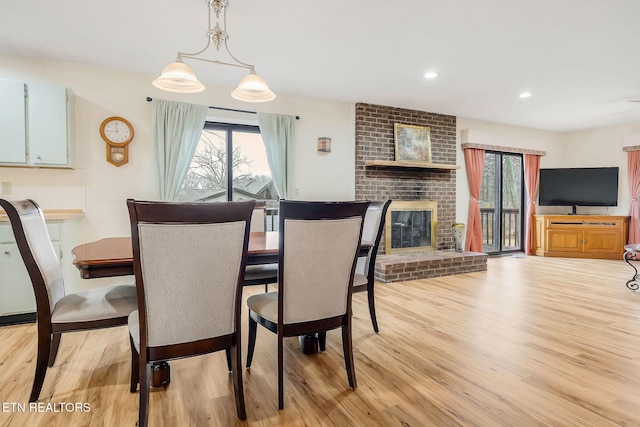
{"x": 412, "y": 143}
{"x": 324, "y": 144}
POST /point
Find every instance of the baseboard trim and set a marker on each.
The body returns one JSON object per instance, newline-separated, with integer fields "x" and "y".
{"x": 17, "y": 319}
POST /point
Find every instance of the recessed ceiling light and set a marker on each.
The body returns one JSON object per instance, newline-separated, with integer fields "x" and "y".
{"x": 524, "y": 95}
{"x": 430, "y": 75}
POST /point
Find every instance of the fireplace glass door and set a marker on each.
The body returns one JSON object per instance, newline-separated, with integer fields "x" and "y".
{"x": 410, "y": 229}
{"x": 410, "y": 226}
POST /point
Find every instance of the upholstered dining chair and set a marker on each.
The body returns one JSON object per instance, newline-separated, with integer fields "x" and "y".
{"x": 259, "y": 216}
{"x": 319, "y": 245}
{"x": 188, "y": 261}
{"x": 262, "y": 274}
{"x": 57, "y": 311}
{"x": 364, "y": 280}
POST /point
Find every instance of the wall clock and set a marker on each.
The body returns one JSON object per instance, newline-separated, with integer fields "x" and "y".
{"x": 117, "y": 133}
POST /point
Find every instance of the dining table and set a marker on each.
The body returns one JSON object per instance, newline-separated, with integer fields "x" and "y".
{"x": 113, "y": 256}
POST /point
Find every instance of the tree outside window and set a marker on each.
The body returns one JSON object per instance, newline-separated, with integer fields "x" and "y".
{"x": 237, "y": 149}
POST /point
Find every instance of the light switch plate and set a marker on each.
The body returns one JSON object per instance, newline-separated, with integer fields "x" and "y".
{"x": 6, "y": 188}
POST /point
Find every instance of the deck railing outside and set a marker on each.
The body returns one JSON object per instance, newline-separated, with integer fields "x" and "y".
{"x": 510, "y": 229}
{"x": 272, "y": 219}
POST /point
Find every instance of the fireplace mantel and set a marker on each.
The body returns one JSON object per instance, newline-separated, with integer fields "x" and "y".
{"x": 406, "y": 164}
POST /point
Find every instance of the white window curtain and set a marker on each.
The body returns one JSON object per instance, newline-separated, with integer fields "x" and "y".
{"x": 277, "y": 134}
{"x": 177, "y": 127}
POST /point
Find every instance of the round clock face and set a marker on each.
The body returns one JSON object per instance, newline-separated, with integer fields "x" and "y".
{"x": 116, "y": 130}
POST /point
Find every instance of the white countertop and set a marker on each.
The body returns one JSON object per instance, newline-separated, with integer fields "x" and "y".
{"x": 52, "y": 215}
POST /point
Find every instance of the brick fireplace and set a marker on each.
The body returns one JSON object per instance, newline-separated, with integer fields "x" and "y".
{"x": 375, "y": 141}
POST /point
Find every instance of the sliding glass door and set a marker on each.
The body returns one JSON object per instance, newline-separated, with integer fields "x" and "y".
{"x": 501, "y": 202}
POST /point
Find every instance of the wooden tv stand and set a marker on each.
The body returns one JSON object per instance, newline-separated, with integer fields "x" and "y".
{"x": 581, "y": 236}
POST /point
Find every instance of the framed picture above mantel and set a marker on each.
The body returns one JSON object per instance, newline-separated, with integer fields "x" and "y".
{"x": 412, "y": 143}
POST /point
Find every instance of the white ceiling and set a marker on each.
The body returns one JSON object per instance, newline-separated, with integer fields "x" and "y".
{"x": 579, "y": 58}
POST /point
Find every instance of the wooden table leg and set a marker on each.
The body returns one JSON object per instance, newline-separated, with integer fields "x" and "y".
{"x": 309, "y": 343}
{"x": 160, "y": 374}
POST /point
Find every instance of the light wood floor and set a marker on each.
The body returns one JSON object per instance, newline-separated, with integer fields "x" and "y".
{"x": 533, "y": 341}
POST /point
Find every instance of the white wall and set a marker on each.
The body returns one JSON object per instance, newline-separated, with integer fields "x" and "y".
{"x": 591, "y": 148}
{"x": 488, "y": 133}
{"x": 100, "y": 93}
{"x": 601, "y": 148}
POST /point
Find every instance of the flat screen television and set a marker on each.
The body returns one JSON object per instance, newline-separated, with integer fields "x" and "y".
{"x": 578, "y": 187}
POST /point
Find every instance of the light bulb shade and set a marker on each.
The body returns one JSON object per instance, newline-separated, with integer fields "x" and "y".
{"x": 178, "y": 77}
{"x": 253, "y": 88}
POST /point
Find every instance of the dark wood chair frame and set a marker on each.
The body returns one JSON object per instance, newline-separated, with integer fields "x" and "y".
{"x": 309, "y": 211}
{"x": 49, "y": 334}
{"x": 371, "y": 271}
{"x": 192, "y": 213}
{"x": 260, "y": 204}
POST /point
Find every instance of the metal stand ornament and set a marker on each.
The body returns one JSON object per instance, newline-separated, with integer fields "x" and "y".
{"x": 633, "y": 282}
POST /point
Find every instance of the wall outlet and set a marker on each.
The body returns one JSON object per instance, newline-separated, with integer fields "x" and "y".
{"x": 296, "y": 191}
{"x": 6, "y": 188}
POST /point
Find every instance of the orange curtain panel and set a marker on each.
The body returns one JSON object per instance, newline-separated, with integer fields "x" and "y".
{"x": 531, "y": 181}
{"x": 634, "y": 188}
{"x": 474, "y": 159}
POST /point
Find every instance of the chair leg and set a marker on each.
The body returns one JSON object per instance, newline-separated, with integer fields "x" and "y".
{"x": 55, "y": 344}
{"x": 135, "y": 367}
{"x": 238, "y": 387}
{"x": 372, "y": 308}
{"x": 322, "y": 340}
{"x": 348, "y": 354}
{"x": 44, "y": 349}
{"x": 266, "y": 287}
{"x": 280, "y": 372}
{"x": 251, "y": 341}
{"x": 143, "y": 411}
{"x": 229, "y": 364}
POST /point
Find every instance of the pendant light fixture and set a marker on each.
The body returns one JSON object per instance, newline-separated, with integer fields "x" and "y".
{"x": 180, "y": 78}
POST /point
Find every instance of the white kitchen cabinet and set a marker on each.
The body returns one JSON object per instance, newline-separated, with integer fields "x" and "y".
{"x": 45, "y": 113}
{"x": 16, "y": 292}
{"x": 13, "y": 124}
{"x": 48, "y": 131}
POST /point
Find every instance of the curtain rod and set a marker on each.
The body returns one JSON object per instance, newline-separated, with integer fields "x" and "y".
{"x": 149, "y": 99}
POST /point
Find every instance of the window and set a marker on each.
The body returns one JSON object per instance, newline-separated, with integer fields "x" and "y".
{"x": 230, "y": 163}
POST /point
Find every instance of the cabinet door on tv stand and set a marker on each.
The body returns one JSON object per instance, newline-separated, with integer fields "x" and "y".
{"x": 603, "y": 241}
{"x": 565, "y": 240}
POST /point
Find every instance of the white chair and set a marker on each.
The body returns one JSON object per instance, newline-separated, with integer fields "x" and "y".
{"x": 262, "y": 274}
{"x": 319, "y": 245}
{"x": 365, "y": 279}
{"x": 58, "y": 311}
{"x": 189, "y": 261}
{"x": 259, "y": 217}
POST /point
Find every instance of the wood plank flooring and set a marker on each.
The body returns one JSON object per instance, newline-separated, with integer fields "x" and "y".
{"x": 533, "y": 341}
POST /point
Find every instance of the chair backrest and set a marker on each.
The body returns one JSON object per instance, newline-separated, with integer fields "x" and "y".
{"x": 37, "y": 251}
{"x": 259, "y": 217}
{"x": 319, "y": 244}
{"x": 372, "y": 233}
{"x": 189, "y": 262}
